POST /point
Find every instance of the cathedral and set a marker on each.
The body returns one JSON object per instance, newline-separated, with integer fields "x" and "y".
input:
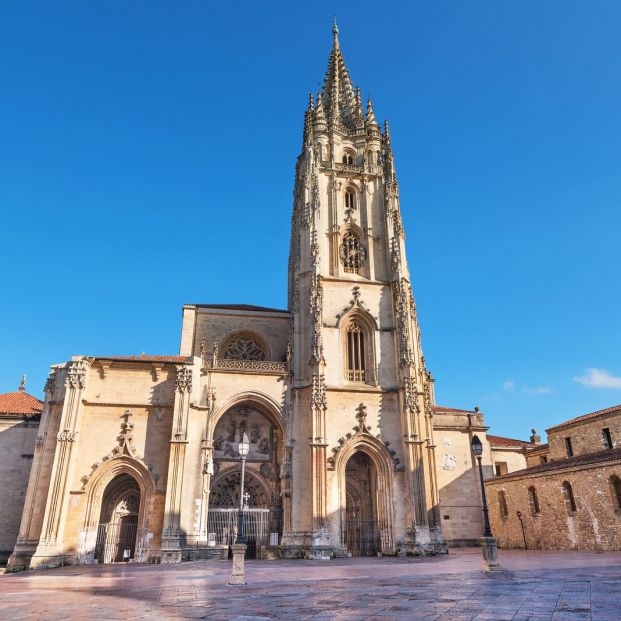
{"x": 137, "y": 458}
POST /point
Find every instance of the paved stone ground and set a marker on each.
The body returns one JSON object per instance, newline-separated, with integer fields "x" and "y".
{"x": 561, "y": 586}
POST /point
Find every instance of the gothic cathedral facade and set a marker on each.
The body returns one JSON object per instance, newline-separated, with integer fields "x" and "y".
{"x": 137, "y": 458}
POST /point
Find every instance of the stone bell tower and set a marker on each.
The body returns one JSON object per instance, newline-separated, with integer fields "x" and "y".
{"x": 360, "y": 464}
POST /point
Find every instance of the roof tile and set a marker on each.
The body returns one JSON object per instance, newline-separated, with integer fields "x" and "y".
{"x": 20, "y": 404}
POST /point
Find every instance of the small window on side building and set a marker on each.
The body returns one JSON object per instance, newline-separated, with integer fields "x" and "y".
{"x": 502, "y": 505}
{"x": 615, "y": 488}
{"x": 568, "y": 497}
{"x": 533, "y": 501}
{"x": 569, "y": 448}
{"x": 607, "y": 438}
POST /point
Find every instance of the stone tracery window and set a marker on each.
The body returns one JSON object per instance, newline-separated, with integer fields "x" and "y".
{"x": 356, "y": 362}
{"x": 243, "y": 347}
{"x": 348, "y": 158}
{"x": 352, "y": 253}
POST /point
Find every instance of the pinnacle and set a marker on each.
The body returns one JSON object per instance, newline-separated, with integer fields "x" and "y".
{"x": 370, "y": 120}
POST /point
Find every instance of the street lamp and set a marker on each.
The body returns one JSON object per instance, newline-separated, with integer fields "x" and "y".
{"x": 238, "y": 575}
{"x": 477, "y": 449}
{"x": 243, "y": 448}
{"x": 488, "y": 542}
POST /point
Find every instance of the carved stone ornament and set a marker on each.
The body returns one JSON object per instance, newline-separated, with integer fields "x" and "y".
{"x": 76, "y": 375}
{"x": 67, "y": 436}
{"x": 448, "y": 462}
{"x": 410, "y": 390}
{"x": 362, "y": 429}
{"x": 124, "y": 447}
{"x": 400, "y": 301}
{"x": 184, "y": 379}
{"x": 318, "y": 395}
{"x": 355, "y": 303}
{"x": 50, "y": 384}
{"x": 316, "y": 307}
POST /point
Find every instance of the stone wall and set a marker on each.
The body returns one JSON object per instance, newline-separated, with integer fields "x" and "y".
{"x": 594, "y": 525}
{"x": 586, "y": 435}
{"x": 17, "y": 443}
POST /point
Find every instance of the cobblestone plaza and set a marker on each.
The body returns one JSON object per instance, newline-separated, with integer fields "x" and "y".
{"x": 534, "y": 586}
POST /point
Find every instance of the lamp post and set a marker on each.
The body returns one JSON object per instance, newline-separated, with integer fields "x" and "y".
{"x": 238, "y": 575}
{"x": 243, "y": 448}
{"x": 488, "y": 542}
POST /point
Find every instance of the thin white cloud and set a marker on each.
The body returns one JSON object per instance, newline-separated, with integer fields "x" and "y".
{"x": 537, "y": 390}
{"x": 509, "y": 385}
{"x": 598, "y": 378}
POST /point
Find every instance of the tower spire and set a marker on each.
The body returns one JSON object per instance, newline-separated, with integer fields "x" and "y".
{"x": 339, "y": 99}
{"x": 22, "y": 384}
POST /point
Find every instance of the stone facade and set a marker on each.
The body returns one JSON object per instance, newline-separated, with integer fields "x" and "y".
{"x": 349, "y": 454}
{"x": 565, "y": 503}
{"x": 19, "y": 421}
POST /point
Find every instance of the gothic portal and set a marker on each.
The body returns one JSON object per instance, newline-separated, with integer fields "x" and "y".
{"x": 137, "y": 456}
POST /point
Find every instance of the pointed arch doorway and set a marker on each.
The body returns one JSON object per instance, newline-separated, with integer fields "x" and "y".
{"x": 118, "y": 521}
{"x": 362, "y": 529}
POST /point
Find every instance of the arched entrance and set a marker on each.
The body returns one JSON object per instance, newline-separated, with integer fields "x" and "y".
{"x": 362, "y": 528}
{"x": 263, "y": 516}
{"x": 118, "y": 520}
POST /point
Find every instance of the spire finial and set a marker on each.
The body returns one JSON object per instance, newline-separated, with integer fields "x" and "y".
{"x": 335, "y": 32}
{"x": 22, "y": 384}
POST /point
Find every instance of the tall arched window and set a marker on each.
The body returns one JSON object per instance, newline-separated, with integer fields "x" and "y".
{"x": 352, "y": 253}
{"x": 568, "y": 496}
{"x": 356, "y": 358}
{"x": 348, "y": 158}
{"x": 615, "y": 488}
{"x": 502, "y": 505}
{"x": 533, "y": 501}
{"x": 350, "y": 199}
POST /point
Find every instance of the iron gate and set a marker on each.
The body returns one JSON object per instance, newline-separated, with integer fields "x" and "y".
{"x": 116, "y": 542}
{"x": 223, "y": 523}
{"x": 362, "y": 537}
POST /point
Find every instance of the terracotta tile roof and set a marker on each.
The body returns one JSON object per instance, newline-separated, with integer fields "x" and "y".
{"x": 569, "y": 462}
{"x": 242, "y": 307}
{"x": 501, "y": 441}
{"x": 20, "y": 404}
{"x": 145, "y": 358}
{"x": 441, "y": 408}
{"x": 579, "y": 419}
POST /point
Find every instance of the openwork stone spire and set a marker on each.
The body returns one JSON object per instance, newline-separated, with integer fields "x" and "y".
{"x": 338, "y": 94}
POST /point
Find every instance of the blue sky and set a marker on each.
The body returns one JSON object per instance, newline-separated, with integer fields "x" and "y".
{"x": 147, "y": 155}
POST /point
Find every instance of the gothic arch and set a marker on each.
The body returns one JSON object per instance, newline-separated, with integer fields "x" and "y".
{"x": 378, "y": 454}
{"x": 263, "y": 402}
{"x": 95, "y": 489}
{"x": 261, "y": 495}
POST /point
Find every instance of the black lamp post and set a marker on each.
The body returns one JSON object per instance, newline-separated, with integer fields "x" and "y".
{"x": 243, "y": 448}
{"x": 477, "y": 450}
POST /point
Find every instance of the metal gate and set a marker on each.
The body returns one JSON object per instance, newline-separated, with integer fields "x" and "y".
{"x": 116, "y": 542}
{"x": 223, "y": 523}
{"x": 362, "y": 537}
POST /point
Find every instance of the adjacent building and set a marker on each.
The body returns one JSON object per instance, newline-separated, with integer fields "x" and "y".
{"x": 19, "y": 421}
{"x": 569, "y": 496}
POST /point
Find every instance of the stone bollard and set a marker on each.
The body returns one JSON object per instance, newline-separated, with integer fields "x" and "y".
{"x": 238, "y": 576}
{"x": 490, "y": 554}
